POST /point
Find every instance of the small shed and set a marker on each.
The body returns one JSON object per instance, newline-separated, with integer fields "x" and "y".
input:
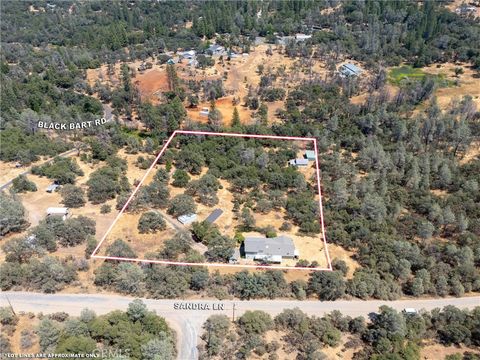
{"x": 310, "y": 155}
{"x": 52, "y": 188}
{"x": 214, "y": 216}
{"x": 298, "y": 162}
{"x": 58, "y": 211}
{"x": 187, "y": 218}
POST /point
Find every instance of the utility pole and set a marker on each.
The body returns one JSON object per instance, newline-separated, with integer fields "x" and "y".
{"x": 233, "y": 313}
{"x": 10, "y": 304}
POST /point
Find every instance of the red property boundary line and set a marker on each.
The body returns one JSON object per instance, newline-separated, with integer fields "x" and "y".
{"x": 166, "y": 262}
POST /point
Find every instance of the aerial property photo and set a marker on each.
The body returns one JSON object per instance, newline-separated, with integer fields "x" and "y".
{"x": 240, "y": 179}
{"x": 225, "y": 200}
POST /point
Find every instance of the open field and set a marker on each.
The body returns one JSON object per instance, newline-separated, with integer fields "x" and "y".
{"x": 398, "y": 74}
{"x": 8, "y": 170}
{"x": 468, "y": 83}
{"x": 450, "y": 87}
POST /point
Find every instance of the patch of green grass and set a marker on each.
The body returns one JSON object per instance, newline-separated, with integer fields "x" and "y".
{"x": 139, "y": 134}
{"x": 399, "y": 74}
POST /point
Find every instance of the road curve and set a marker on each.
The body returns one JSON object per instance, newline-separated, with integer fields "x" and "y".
{"x": 188, "y": 323}
{"x": 66, "y": 153}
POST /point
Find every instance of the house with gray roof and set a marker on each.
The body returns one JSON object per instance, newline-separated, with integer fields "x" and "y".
{"x": 215, "y": 49}
{"x": 270, "y": 249}
{"x": 348, "y": 69}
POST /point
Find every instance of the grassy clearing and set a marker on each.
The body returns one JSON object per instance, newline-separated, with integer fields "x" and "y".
{"x": 397, "y": 75}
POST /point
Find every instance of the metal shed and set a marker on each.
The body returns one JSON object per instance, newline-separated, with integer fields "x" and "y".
{"x": 187, "y": 218}
{"x": 298, "y": 162}
{"x": 214, "y": 216}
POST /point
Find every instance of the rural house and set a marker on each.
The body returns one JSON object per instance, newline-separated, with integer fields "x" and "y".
{"x": 190, "y": 54}
{"x": 348, "y": 69}
{"x": 270, "y": 249}
{"x": 215, "y": 49}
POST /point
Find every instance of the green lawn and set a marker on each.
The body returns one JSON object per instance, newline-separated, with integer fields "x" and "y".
{"x": 396, "y": 75}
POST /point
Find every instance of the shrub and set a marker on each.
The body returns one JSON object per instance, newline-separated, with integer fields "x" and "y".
{"x": 61, "y": 169}
{"x": 7, "y": 317}
{"x": 72, "y": 196}
{"x": 105, "y": 209}
{"x": 180, "y": 178}
{"x": 181, "y": 205}
{"x": 21, "y": 184}
{"x": 12, "y": 214}
{"x": 151, "y": 221}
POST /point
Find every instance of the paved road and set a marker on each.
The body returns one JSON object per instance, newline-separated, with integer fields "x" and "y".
{"x": 9, "y": 182}
{"x": 107, "y": 113}
{"x": 188, "y": 323}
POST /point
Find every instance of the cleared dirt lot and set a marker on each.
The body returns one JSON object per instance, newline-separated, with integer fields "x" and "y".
{"x": 437, "y": 351}
{"x": 239, "y": 74}
{"x": 126, "y": 229}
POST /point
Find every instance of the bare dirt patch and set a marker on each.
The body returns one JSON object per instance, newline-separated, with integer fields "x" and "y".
{"x": 152, "y": 83}
{"x": 25, "y": 323}
{"x": 126, "y": 229}
{"x": 437, "y": 351}
{"x": 472, "y": 154}
{"x": 9, "y": 171}
{"x": 337, "y": 252}
{"x": 226, "y": 108}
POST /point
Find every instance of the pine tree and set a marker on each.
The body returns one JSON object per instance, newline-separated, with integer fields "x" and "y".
{"x": 235, "y": 117}
{"x": 263, "y": 114}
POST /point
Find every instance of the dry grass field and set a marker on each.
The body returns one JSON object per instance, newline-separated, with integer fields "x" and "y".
{"x": 468, "y": 84}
